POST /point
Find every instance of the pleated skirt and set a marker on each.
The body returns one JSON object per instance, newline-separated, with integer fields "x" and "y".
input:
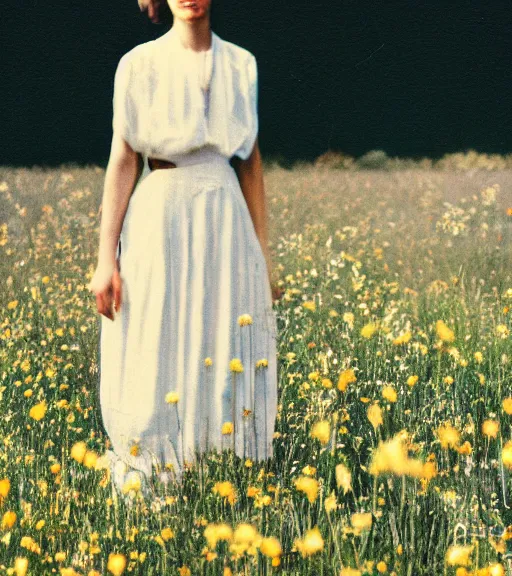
{"x": 193, "y": 347}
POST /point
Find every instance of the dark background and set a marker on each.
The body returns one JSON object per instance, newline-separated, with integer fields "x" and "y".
{"x": 413, "y": 78}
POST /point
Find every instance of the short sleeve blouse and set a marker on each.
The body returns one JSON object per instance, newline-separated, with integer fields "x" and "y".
{"x": 160, "y": 109}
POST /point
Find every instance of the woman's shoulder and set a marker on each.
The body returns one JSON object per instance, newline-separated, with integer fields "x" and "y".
{"x": 237, "y": 53}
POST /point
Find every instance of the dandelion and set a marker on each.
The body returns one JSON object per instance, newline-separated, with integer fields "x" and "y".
{"x": 5, "y": 488}
{"x": 330, "y": 503}
{"x": 166, "y": 534}
{"x": 311, "y": 543}
{"x": 271, "y": 547}
{"x": 78, "y": 451}
{"x": 506, "y": 454}
{"x": 172, "y": 397}
{"x": 8, "y": 519}
{"x": 132, "y": 482}
{"x": 343, "y": 478}
{"x": 309, "y": 305}
{"x": 490, "y": 428}
{"x": 208, "y": 361}
{"x": 448, "y": 436}
{"x": 368, "y": 330}
{"x": 263, "y": 363}
{"x": 321, "y": 431}
{"x": 116, "y": 563}
{"x": 346, "y": 377}
{"x": 389, "y": 393}
{"x": 307, "y": 485}
{"x": 374, "y": 414}
{"x": 458, "y": 555}
{"x": 412, "y": 380}
{"x": 402, "y": 339}
{"x": 21, "y": 566}
{"x": 507, "y": 405}
{"x": 361, "y": 521}
{"x": 326, "y": 383}
{"x": 478, "y": 357}
{"x": 225, "y": 490}
{"x": 215, "y": 532}
{"x": 245, "y": 320}
{"x": 227, "y": 428}
{"x": 38, "y": 411}
{"x": 502, "y": 331}
{"x": 444, "y": 332}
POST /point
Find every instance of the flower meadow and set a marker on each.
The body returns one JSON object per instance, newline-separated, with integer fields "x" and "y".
{"x": 393, "y": 442}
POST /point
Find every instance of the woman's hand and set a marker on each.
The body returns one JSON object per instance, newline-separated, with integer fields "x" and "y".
{"x": 106, "y": 285}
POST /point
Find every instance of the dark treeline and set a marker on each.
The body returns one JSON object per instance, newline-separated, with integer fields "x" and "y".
{"x": 412, "y": 78}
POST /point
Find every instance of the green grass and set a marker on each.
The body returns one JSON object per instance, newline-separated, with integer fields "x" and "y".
{"x": 398, "y": 248}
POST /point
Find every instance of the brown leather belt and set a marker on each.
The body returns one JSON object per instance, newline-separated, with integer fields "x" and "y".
{"x": 155, "y": 163}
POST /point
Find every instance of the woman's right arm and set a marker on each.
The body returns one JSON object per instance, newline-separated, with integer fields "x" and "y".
{"x": 123, "y": 172}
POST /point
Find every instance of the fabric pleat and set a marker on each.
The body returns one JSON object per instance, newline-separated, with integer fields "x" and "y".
{"x": 191, "y": 265}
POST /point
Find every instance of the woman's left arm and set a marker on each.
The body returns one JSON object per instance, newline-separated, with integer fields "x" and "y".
{"x": 250, "y": 176}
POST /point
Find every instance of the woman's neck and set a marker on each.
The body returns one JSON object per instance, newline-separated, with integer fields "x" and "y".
{"x": 195, "y": 36}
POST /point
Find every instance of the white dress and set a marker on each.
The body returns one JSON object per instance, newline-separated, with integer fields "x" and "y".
{"x": 191, "y": 264}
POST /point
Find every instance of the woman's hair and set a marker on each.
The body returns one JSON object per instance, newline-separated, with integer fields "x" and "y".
{"x": 163, "y": 12}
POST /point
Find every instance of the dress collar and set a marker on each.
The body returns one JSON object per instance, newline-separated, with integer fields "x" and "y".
{"x": 173, "y": 39}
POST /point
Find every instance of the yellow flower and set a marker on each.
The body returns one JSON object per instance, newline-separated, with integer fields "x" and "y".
{"x": 208, "y": 361}
{"x": 227, "y": 428}
{"x": 78, "y": 451}
{"x": 132, "y": 482}
{"x": 38, "y": 411}
{"x": 490, "y": 428}
{"x": 311, "y": 543}
{"x": 330, "y": 503}
{"x": 271, "y": 547}
{"x": 321, "y": 431}
{"x": 443, "y": 332}
{"x": 391, "y": 456}
{"x": 326, "y": 383}
{"x": 448, "y": 380}
{"x": 55, "y": 468}
{"x": 502, "y": 330}
{"x": 215, "y": 532}
{"x": 262, "y": 363}
{"x": 382, "y": 567}
{"x": 12, "y": 304}
{"x": 350, "y": 572}
{"x": 507, "y": 405}
{"x": 374, "y": 414}
{"x": 349, "y": 318}
{"x": 166, "y": 533}
{"x": 135, "y": 450}
{"x": 368, "y": 330}
{"x": 172, "y": 397}
{"x": 8, "y": 519}
{"x": 245, "y": 533}
{"x": 389, "y": 393}
{"x": 402, "y": 339}
{"x": 244, "y": 320}
{"x": 116, "y": 563}
{"x": 5, "y": 487}
{"x": 411, "y": 381}
{"x": 307, "y": 485}
{"x": 309, "y": 470}
{"x": 478, "y": 357}
{"x": 506, "y": 455}
{"x": 458, "y": 555}
{"x": 40, "y": 524}
{"x": 235, "y": 365}
{"x": 21, "y": 566}
{"x": 346, "y": 377}
{"x": 343, "y": 478}
{"x": 225, "y": 490}
{"x": 184, "y": 571}
{"x": 448, "y": 436}
{"x": 90, "y": 458}
{"x": 309, "y": 305}
{"x": 361, "y": 521}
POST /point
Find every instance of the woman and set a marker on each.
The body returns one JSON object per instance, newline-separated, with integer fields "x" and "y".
{"x": 188, "y": 352}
